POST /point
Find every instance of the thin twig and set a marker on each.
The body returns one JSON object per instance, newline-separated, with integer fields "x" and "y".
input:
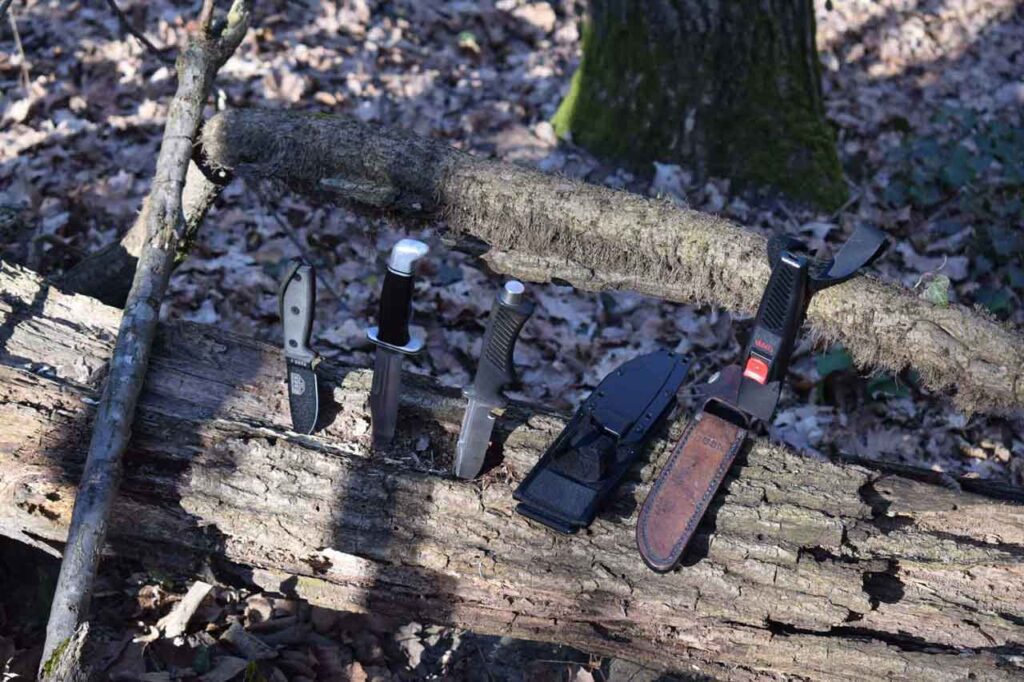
{"x": 4, "y": 4}
{"x": 162, "y": 53}
{"x": 293, "y": 237}
{"x": 26, "y": 79}
{"x": 849, "y": 202}
{"x": 483, "y": 660}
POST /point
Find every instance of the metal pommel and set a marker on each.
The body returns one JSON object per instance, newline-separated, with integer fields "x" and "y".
{"x": 513, "y": 292}
{"x": 404, "y": 254}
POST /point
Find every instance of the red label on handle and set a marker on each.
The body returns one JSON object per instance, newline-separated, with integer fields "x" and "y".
{"x": 756, "y": 369}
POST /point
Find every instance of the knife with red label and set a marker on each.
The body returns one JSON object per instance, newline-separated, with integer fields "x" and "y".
{"x": 739, "y": 397}
{"x": 296, "y": 301}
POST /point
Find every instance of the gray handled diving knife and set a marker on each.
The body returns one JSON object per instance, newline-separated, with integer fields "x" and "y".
{"x": 508, "y": 315}
{"x": 393, "y": 338}
{"x": 297, "y": 300}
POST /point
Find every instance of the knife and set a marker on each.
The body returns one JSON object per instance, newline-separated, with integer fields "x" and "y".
{"x": 739, "y": 398}
{"x": 297, "y": 300}
{"x": 508, "y": 315}
{"x": 393, "y": 338}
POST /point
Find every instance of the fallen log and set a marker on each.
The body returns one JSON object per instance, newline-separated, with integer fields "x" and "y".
{"x": 539, "y": 227}
{"x": 822, "y": 570}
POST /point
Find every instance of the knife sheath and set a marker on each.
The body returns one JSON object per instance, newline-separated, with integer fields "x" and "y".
{"x": 684, "y": 488}
{"x": 581, "y": 470}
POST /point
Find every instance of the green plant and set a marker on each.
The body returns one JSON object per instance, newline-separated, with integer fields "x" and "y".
{"x": 969, "y": 174}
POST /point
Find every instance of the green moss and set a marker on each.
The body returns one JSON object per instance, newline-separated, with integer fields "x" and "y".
{"x": 50, "y": 666}
{"x": 637, "y": 84}
{"x": 563, "y": 118}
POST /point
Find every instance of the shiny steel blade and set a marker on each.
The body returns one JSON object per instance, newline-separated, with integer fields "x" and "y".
{"x": 303, "y": 398}
{"x": 387, "y": 384}
{"x": 477, "y": 425}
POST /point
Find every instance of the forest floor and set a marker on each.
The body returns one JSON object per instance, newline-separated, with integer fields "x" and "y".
{"x": 926, "y": 97}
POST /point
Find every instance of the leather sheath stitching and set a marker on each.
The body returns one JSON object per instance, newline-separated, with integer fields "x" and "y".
{"x": 701, "y": 506}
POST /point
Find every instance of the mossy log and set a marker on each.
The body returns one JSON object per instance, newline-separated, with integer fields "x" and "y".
{"x": 731, "y": 89}
{"x": 542, "y": 228}
{"x": 804, "y": 568}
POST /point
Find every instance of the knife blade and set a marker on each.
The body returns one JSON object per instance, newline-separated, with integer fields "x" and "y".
{"x": 297, "y": 301}
{"x": 393, "y": 338}
{"x": 508, "y": 315}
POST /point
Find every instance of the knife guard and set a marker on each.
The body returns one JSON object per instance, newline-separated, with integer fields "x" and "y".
{"x": 586, "y": 463}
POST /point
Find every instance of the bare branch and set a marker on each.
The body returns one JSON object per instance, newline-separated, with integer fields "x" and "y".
{"x": 541, "y": 227}
{"x": 164, "y": 226}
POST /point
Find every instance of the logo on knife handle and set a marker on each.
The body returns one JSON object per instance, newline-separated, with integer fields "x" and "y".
{"x": 298, "y": 384}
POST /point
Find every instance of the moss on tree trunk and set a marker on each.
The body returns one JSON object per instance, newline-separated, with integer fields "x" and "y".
{"x": 729, "y": 89}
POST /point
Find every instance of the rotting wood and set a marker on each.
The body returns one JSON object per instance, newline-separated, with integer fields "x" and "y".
{"x": 823, "y": 570}
{"x": 162, "y": 221}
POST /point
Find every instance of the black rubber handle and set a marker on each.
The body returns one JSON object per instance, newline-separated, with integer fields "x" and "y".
{"x": 496, "y": 369}
{"x": 778, "y": 320}
{"x": 395, "y": 309}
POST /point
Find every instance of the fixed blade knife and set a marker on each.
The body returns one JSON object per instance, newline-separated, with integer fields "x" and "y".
{"x": 508, "y": 315}
{"x": 297, "y": 301}
{"x": 393, "y": 338}
{"x": 739, "y": 398}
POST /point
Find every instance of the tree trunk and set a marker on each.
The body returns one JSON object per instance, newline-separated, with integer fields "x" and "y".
{"x": 822, "y": 570}
{"x": 729, "y": 89}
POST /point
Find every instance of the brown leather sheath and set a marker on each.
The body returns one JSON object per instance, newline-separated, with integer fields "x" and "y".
{"x": 684, "y": 488}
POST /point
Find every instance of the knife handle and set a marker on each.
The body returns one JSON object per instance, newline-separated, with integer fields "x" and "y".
{"x": 508, "y": 315}
{"x": 395, "y": 309}
{"x": 396, "y": 294}
{"x": 778, "y": 320}
{"x": 298, "y": 300}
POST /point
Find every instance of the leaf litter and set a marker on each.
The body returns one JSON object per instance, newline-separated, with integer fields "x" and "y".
{"x": 926, "y": 96}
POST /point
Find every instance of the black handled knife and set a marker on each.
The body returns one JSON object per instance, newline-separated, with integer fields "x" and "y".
{"x": 393, "y": 338}
{"x": 738, "y": 398}
{"x": 508, "y": 315}
{"x": 297, "y": 300}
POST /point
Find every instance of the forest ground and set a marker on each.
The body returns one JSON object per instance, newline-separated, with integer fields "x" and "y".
{"x": 926, "y": 97}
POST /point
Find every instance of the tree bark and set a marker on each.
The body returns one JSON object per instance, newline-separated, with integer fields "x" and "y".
{"x": 731, "y": 89}
{"x": 814, "y": 569}
{"x": 543, "y": 228}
